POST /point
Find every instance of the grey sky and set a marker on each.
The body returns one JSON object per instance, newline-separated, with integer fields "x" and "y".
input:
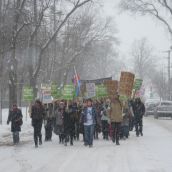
{"x": 131, "y": 27}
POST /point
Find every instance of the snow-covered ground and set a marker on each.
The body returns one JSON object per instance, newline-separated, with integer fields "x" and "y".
{"x": 150, "y": 153}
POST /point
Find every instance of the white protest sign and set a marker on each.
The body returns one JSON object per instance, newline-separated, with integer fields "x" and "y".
{"x": 46, "y": 96}
{"x": 91, "y": 90}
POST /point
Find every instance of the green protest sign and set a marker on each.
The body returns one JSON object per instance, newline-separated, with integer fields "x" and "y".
{"x": 138, "y": 84}
{"x": 68, "y": 92}
{"x": 55, "y": 92}
{"x": 101, "y": 91}
{"x": 28, "y": 93}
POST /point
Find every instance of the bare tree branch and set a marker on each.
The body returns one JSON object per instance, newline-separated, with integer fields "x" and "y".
{"x": 44, "y": 47}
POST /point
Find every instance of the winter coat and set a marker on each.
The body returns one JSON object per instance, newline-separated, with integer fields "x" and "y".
{"x": 98, "y": 112}
{"x": 48, "y": 124}
{"x": 125, "y": 121}
{"x": 59, "y": 117}
{"x": 37, "y": 112}
{"x": 116, "y": 112}
{"x": 139, "y": 110}
{"x": 68, "y": 122}
{"x": 15, "y": 118}
{"x": 104, "y": 115}
{"x": 49, "y": 112}
{"x": 76, "y": 112}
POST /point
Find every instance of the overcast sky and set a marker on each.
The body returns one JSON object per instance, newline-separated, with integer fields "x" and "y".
{"x": 131, "y": 27}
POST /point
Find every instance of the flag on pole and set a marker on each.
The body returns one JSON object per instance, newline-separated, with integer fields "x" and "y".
{"x": 77, "y": 82}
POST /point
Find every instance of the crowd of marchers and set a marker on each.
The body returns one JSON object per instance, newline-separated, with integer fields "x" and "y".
{"x": 81, "y": 120}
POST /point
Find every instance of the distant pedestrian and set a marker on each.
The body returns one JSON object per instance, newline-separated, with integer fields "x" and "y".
{"x": 15, "y": 117}
{"x": 37, "y": 115}
{"x": 116, "y": 118}
{"x": 59, "y": 117}
{"x": 139, "y": 111}
{"x": 105, "y": 122}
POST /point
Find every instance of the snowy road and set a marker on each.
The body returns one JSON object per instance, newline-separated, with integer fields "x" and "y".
{"x": 150, "y": 153}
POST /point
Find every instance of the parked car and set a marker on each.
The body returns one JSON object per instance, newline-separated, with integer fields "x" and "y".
{"x": 164, "y": 109}
{"x": 150, "y": 108}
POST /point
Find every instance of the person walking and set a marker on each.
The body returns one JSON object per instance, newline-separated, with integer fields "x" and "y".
{"x": 139, "y": 111}
{"x": 88, "y": 117}
{"x": 105, "y": 122}
{"x": 15, "y": 117}
{"x": 37, "y": 115}
{"x": 116, "y": 118}
{"x": 69, "y": 124}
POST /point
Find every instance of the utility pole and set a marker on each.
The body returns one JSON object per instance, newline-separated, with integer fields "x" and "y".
{"x": 169, "y": 75}
{"x": 1, "y": 64}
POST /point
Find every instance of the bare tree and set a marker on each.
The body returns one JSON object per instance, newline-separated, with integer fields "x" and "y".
{"x": 76, "y": 4}
{"x": 19, "y": 22}
{"x": 143, "y": 60}
{"x": 160, "y": 83}
{"x": 159, "y": 9}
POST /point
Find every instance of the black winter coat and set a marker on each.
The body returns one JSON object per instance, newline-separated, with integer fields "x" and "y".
{"x": 68, "y": 122}
{"x": 15, "y": 117}
{"x": 37, "y": 113}
{"x": 139, "y": 110}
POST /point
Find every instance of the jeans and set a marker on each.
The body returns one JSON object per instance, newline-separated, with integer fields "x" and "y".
{"x": 88, "y": 134}
{"x": 16, "y": 138}
{"x": 124, "y": 131}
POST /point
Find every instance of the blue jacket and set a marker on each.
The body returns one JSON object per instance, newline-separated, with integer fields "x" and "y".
{"x": 84, "y": 115}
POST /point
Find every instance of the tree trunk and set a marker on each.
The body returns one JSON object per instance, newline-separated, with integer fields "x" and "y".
{"x": 18, "y": 6}
{"x": 33, "y": 82}
{"x": 1, "y": 61}
{"x": 33, "y": 53}
{"x": 13, "y": 78}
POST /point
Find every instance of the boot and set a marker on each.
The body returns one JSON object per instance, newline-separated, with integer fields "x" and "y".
{"x": 117, "y": 140}
{"x": 117, "y": 143}
{"x": 113, "y": 139}
{"x": 71, "y": 141}
{"x": 40, "y": 140}
{"x": 36, "y": 142}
